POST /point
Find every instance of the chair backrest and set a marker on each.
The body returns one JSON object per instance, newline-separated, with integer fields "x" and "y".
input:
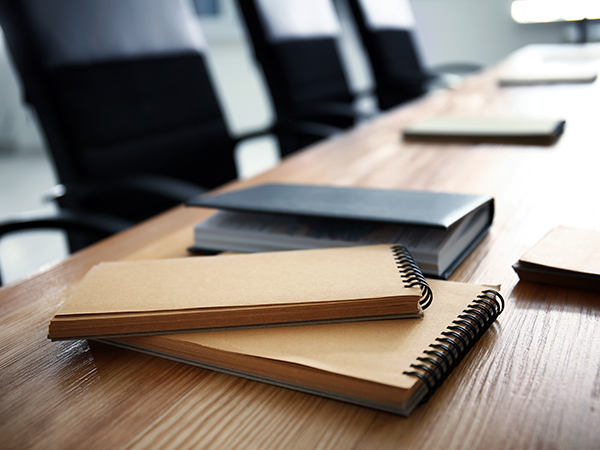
{"x": 120, "y": 87}
{"x": 295, "y": 43}
{"x": 387, "y": 30}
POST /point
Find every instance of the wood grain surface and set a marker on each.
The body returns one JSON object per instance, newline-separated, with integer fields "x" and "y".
{"x": 533, "y": 381}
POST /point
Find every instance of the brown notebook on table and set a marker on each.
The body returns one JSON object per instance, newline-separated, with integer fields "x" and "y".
{"x": 564, "y": 257}
{"x": 161, "y": 296}
{"x": 518, "y": 130}
{"x": 547, "y": 75}
{"x": 391, "y": 365}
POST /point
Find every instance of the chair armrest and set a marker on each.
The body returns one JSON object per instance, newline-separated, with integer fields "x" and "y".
{"x": 367, "y": 92}
{"x": 294, "y": 127}
{"x": 341, "y": 110}
{"x": 65, "y": 219}
{"x": 171, "y": 188}
{"x": 96, "y": 225}
{"x": 306, "y": 128}
{"x": 252, "y": 135}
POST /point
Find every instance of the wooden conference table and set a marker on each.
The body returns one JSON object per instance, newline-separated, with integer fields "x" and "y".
{"x": 533, "y": 381}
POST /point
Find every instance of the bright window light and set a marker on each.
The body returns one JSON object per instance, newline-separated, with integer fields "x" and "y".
{"x": 540, "y": 11}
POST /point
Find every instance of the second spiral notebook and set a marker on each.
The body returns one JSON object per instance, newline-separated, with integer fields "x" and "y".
{"x": 228, "y": 291}
{"x": 391, "y": 365}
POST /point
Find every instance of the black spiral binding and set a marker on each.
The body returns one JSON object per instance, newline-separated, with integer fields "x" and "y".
{"x": 411, "y": 274}
{"x": 454, "y": 343}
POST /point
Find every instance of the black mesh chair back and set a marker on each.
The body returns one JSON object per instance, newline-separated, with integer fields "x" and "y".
{"x": 386, "y": 28}
{"x": 124, "y": 99}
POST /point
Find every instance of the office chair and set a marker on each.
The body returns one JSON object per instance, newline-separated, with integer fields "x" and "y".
{"x": 295, "y": 44}
{"x": 387, "y": 31}
{"x": 123, "y": 96}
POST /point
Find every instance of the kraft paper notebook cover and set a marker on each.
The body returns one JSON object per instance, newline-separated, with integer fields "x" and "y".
{"x": 133, "y": 297}
{"x": 564, "y": 257}
{"x": 517, "y": 130}
{"x": 439, "y": 228}
{"x": 391, "y": 365}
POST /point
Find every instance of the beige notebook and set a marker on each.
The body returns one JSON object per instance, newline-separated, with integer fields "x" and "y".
{"x": 565, "y": 257}
{"x": 548, "y": 76}
{"x": 391, "y": 365}
{"x": 518, "y": 130}
{"x": 159, "y": 296}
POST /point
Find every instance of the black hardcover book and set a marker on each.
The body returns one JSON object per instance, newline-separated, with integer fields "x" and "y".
{"x": 440, "y": 229}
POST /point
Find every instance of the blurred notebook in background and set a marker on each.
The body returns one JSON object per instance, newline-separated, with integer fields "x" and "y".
{"x": 514, "y": 130}
{"x": 548, "y": 75}
{"x": 564, "y": 257}
{"x": 391, "y": 365}
{"x": 194, "y": 293}
{"x": 439, "y": 229}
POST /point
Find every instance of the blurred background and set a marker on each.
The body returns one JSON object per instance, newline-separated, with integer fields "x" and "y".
{"x": 469, "y": 31}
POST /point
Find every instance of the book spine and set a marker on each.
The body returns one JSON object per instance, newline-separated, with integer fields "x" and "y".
{"x": 411, "y": 274}
{"x": 455, "y": 342}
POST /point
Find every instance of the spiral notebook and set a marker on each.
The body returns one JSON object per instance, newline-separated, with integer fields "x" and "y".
{"x": 160, "y": 296}
{"x": 391, "y": 365}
